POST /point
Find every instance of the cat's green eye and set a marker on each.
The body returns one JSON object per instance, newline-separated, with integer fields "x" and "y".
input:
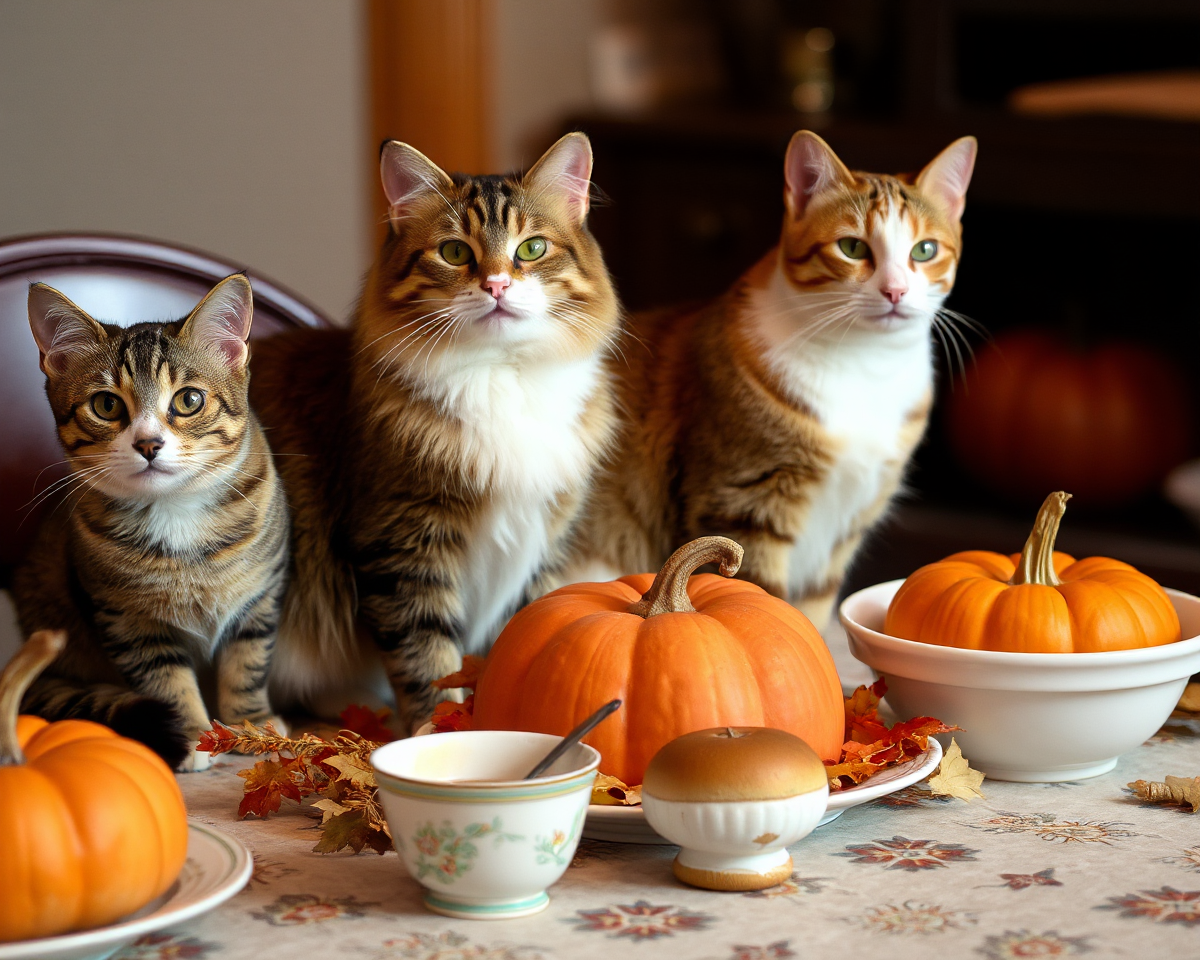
{"x": 854, "y": 248}
{"x": 108, "y": 406}
{"x": 532, "y": 249}
{"x": 456, "y": 252}
{"x": 187, "y": 401}
{"x": 924, "y": 250}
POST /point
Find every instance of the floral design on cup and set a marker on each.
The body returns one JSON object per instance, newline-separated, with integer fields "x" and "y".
{"x": 445, "y": 853}
{"x": 552, "y": 849}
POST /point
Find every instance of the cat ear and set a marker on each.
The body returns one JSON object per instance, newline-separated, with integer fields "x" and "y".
{"x": 811, "y": 167}
{"x": 945, "y": 179}
{"x": 221, "y": 321}
{"x": 60, "y": 328}
{"x": 407, "y": 175}
{"x": 565, "y": 173}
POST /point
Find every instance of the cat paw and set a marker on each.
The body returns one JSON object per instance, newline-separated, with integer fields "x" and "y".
{"x": 195, "y": 761}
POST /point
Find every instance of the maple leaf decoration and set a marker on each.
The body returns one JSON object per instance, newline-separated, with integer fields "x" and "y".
{"x": 336, "y": 770}
{"x": 871, "y": 745}
{"x": 1181, "y": 790}
{"x": 955, "y": 778}
{"x": 448, "y": 715}
{"x": 367, "y": 723}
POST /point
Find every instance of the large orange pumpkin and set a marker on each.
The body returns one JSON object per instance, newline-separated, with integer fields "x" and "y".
{"x": 1038, "y": 601}
{"x": 92, "y": 825}
{"x": 683, "y": 654}
{"x": 1034, "y": 415}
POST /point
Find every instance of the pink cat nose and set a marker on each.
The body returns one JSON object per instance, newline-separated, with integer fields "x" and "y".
{"x": 497, "y": 283}
{"x": 894, "y": 294}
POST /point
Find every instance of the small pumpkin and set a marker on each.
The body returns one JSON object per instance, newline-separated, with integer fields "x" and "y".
{"x": 683, "y": 652}
{"x": 92, "y": 825}
{"x": 1037, "y": 601}
{"x": 1036, "y": 415}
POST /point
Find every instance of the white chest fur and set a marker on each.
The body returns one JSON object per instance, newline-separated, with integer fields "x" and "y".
{"x": 861, "y": 382}
{"x": 522, "y": 436}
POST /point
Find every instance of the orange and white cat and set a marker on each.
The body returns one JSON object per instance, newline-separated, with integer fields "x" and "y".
{"x": 783, "y": 413}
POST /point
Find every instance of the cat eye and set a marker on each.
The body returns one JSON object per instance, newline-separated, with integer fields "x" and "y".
{"x": 187, "y": 401}
{"x": 456, "y": 252}
{"x": 532, "y": 249}
{"x": 854, "y": 248}
{"x": 108, "y": 406}
{"x": 924, "y": 250}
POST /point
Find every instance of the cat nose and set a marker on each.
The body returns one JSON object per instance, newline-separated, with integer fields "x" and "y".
{"x": 148, "y": 448}
{"x": 497, "y": 283}
{"x": 894, "y": 290}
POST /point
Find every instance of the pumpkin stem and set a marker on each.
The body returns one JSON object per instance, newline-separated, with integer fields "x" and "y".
{"x": 1037, "y": 559}
{"x": 34, "y": 656}
{"x": 668, "y": 593}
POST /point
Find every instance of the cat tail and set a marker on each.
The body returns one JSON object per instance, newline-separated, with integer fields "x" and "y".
{"x": 151, "y": 721}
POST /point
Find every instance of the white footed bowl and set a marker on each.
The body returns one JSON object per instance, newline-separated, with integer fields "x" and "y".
{"x": 735, "y": 845}
{"x": 484, "y": 850}
{"x": 1033, "y": 717}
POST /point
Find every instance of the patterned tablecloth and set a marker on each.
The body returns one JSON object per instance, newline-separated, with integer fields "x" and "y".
{"x": 1034, "y": 870}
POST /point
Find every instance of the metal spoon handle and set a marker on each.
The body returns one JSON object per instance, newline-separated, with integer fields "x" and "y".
{"x": 573, "y": 738}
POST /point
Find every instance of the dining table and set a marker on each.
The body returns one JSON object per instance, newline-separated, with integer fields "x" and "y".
{"x": 1081, "y": 868}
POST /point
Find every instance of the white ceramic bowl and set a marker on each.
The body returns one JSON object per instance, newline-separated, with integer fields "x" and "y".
{"x": 735, "y": 845}
{"x": 1033, "y": 717}
{"x": 484, "y": 850}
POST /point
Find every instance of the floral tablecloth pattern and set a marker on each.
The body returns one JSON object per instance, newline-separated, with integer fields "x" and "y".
{"x": 1033, "y": 870}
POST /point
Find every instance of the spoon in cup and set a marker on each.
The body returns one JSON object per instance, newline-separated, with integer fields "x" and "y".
{"x": 573, "y": 738}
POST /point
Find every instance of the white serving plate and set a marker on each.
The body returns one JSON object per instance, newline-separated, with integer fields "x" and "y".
{"x": 217, "y": 867}
{"x": 628, "y": 824}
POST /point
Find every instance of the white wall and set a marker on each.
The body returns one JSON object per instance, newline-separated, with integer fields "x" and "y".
{"x": 234, "y": 126}
{"x": 541, "y": 65}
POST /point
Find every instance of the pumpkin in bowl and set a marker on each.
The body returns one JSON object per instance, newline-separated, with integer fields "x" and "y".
{"x": 684, "y": 652}
{"x": 94, "y": 825}
{"x": 1037, "y": 601}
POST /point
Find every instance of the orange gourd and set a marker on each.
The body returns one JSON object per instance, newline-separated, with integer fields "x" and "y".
{"x": 683, "y": 653}
{"x": 1038, "y": 601}
{"x": 92, "y": 825}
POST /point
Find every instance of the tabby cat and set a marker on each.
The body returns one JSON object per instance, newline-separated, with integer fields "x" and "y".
{"x": 437, "y": 452}
{"x": 171, "y": 546}
{"x": 783, "y": 413}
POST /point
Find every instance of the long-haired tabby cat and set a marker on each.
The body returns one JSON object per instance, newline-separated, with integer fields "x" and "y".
{"x": 172, "y": 543}
{"x": 783, "y": 413}
{"x": 442, "y": 446}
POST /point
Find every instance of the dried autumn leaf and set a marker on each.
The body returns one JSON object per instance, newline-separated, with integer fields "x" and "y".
{"x": 329, "y": 808}
{"x": 367, "y": 723}
{"x": 612, "y": 792}
{"x": 351, "y": 830}
{"x": 267, "y": 783}
{"x": 220, "y": 739}
{"x": 449, "y": 716}
{"x": 351, "y": 768}
{"x": 955, "y": 778}
{"x": 467, "y": 677}
{"x": 1190, "y": 701}
{"x": 1170, "y": 790}
{"x": 862, "y": 713}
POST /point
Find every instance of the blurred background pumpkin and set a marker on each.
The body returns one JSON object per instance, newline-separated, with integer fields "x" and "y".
{"x": 1035, "y": 413}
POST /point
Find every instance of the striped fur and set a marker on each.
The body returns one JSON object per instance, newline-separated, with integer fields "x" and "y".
{"x": 783, "y": 413}
{"x": 437, "y": 453}
{"x": 156, "y": 564}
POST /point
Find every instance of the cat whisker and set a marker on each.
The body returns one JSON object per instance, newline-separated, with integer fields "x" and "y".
{"x": 34, "y": 502}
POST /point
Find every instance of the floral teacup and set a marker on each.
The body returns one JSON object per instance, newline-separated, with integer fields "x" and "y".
{"x": 483, "y": 842}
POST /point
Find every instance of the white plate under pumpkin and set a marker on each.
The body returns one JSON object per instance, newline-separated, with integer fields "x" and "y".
{"x": 217, "y": 867}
